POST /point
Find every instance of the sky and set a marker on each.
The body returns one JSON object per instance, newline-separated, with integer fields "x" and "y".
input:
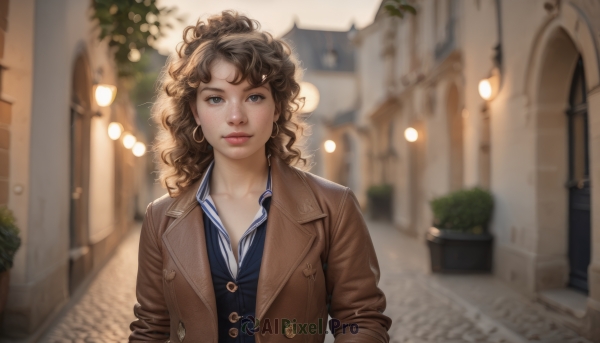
{"x": 275, "y": 16}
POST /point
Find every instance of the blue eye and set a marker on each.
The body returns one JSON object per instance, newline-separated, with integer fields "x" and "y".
{"x": 214, "y": 100}
{"x": 255, "y": 97}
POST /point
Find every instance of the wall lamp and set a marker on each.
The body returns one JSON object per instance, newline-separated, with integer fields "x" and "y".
{"x": 139, "y": 149}
{"x": 311, "y": 96}
{"x": 488, "y": 87}
{"x": 115, "y": 130}
{"x": 129, "y": 140}
{"x": 104, "y": 94}
{"x": 329, "y": 146}
{"x": 411, "y": 134}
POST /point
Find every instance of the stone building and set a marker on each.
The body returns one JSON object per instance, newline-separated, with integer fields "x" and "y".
{"x": 328, "y": 62}
{"x": 71, "y": 187}
{"x": 534, "y": 143}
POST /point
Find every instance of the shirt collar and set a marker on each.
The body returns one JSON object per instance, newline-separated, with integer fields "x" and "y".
{"x": 204, "y": 189}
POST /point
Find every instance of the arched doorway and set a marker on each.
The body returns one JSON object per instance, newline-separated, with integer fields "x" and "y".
{"x": 560, "y": 148}
{"x": 80, "y": 257}
{"x": 579, "y": 182}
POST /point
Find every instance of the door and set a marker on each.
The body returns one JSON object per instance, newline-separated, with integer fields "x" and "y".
{"x": 579, "y": 182}
{"x": 80, "y": 261}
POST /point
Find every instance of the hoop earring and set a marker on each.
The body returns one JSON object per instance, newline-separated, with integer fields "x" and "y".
{"x": 277, "y": 125}
{"x": 194, "y": 135}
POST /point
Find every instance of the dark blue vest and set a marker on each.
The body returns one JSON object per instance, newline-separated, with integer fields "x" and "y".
{"x": 243, "y": 299}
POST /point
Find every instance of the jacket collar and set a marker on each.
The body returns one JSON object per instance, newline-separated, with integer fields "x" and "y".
{"x": 289, "y": 188}
{"x": 286, "y": 243}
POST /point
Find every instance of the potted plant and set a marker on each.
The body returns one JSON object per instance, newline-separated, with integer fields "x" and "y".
{"x": 380, "y": 201}
{"x": 9, "y": 243}
{"x": 459, "y": 240}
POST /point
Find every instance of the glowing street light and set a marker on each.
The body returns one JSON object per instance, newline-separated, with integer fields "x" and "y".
{"x": 489, "y": 87}
{"x": 139, "y": 149}
{"x": 129, "y": 140}
{"x": 329, "y": 146}
{"x": 115, "y": 130}
{"x": 105, "y": 94}
{"x": 485, "y": 89}
{"x": 311, "y": 96}
{"x": 411, "y": 134}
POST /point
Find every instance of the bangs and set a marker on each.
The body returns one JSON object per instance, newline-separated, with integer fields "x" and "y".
{"x": 249, "y": 53}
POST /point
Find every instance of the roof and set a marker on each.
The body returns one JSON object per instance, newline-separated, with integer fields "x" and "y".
{"x": 345, "y": 117}
{"x": 323, "y": 50}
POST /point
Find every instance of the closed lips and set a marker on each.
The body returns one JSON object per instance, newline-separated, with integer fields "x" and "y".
{"x": 237, "y": 135}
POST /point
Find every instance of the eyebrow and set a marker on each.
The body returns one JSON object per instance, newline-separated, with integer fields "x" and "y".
{"x": 211, "y": 89}
{"x": 222, "y": 91}
{"x": 252, "y": 87}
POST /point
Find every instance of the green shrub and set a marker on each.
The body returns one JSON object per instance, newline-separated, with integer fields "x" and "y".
{"x": 380, "y": 190}
{"x": 465, "y": 210}
{"x": 9, "y": 239}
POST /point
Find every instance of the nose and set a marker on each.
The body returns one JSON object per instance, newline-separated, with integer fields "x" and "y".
{"x": 236, "y": 114}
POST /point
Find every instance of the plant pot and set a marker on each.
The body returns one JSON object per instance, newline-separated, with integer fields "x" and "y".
{"x": 453, "y": 251}
{"x": 4, "y": 283}
{"x": 380, "y": 206}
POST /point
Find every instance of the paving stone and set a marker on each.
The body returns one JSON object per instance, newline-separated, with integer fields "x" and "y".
{"x": 104, "y": 312}
{"x": 420, "y": 313}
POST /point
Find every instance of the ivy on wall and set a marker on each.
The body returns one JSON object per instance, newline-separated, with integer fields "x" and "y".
{"x": 398, "y": 8}
{"x": 132, "y": 26}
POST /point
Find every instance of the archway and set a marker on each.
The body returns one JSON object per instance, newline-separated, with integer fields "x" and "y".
{"x": 553, "y": 88}
{"x": 80, "y": 257}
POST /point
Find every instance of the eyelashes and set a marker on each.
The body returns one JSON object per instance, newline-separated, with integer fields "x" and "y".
{"x": 260, "y": 96}
{"x": 217, "y": 99}
{"x": 214, "y": 98}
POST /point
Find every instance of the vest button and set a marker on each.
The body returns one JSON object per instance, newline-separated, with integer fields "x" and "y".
{"x": 289, "y": 332}
{"x": 233, "y": 332}
{"x": 234, "y": 317}
{"x": 232, "y": 287}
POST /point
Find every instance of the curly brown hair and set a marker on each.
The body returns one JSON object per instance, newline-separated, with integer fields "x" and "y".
{"x": 258, "y": 57}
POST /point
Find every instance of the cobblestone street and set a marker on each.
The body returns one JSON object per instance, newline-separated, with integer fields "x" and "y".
{"x": 104, "y": 312}
{"x": 424, "y": 308}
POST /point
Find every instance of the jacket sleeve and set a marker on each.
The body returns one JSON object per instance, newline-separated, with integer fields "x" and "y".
{"x": 352, "y": 277}
{"x": 152, "y": 324}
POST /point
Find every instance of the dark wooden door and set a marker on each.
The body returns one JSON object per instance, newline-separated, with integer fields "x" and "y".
{"x": 579, "y": 182}
{"x": 80, "y": 256}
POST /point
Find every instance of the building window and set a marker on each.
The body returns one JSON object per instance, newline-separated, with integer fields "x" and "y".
{"x": 330, "y": 59}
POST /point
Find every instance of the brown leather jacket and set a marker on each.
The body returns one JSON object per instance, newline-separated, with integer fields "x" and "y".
{"x": 312, "y": 222}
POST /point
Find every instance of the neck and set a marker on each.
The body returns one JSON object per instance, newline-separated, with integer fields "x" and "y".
{"x": 239, "y": 177}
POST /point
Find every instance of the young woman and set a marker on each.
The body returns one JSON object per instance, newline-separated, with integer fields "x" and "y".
{"x": 246, "y": 247}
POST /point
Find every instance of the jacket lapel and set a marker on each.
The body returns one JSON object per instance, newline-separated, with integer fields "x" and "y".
{"x": 286, "y": 243}
{"x": 186, "y": 242}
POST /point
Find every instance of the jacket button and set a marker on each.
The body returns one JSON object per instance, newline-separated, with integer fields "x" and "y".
{"x": 232, "y": 287}
{"x": 233, "y": 332}
{"x": 289, "y": 332}
{"x": 181, "y": 332}
{"x": 169, "y": 274}
{"x": 233, "y": 317}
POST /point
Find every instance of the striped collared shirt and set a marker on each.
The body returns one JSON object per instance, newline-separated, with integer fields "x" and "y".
{"x": 207, "y": 204}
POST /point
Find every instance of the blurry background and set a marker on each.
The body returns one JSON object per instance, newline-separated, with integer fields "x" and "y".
{"x": 469, "y": 131}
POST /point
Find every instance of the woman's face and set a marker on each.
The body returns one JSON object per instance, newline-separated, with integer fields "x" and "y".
{"x": 222, "y": 109}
